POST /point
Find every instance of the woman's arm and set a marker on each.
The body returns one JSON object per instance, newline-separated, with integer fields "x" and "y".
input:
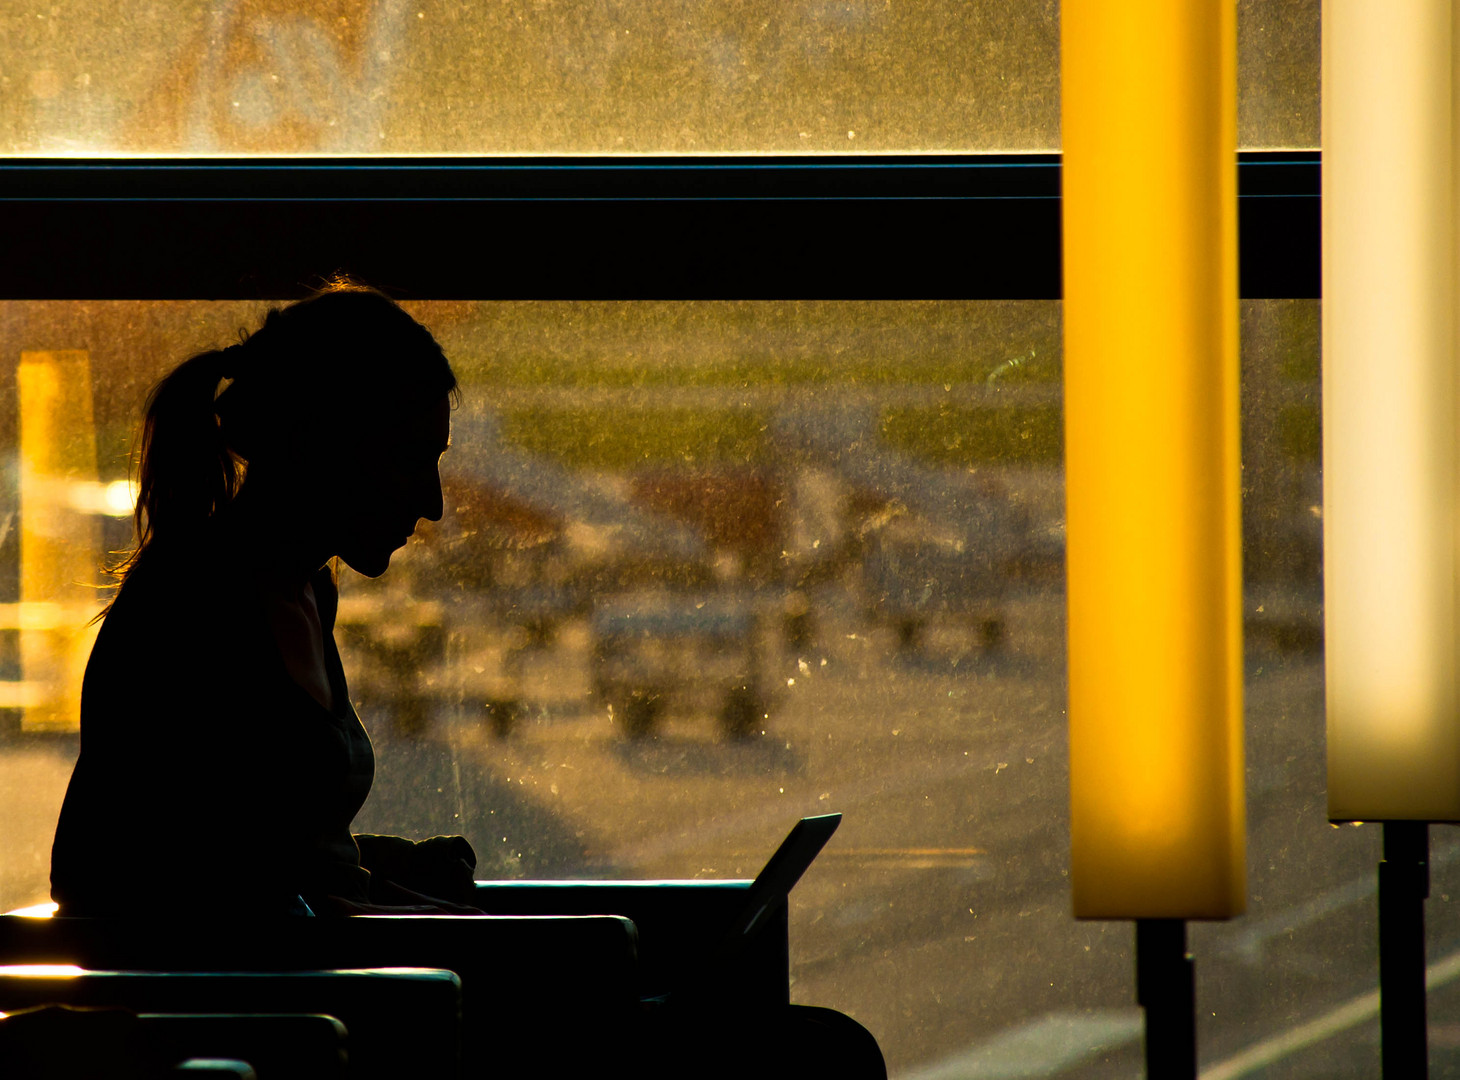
{"x": 388, "y": 898}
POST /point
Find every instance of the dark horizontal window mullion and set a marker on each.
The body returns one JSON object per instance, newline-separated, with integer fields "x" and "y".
{"x": 979, "y": 227}
{"x": 607, "y": 178}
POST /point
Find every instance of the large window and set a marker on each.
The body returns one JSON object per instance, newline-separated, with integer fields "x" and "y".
{"x": 755, "y": 495}
{"x": 565, "y": 77}
{"x": 711, "y": 565}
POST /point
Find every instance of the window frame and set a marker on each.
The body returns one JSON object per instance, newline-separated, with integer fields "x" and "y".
{"x": 973, "y": 226}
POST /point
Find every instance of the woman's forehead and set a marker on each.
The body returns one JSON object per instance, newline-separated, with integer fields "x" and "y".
{"x": 425, "y": 429}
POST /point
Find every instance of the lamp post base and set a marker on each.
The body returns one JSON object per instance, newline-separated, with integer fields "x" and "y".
{"x": 1404, "y": 883}
{"x": 1166, "y": 989}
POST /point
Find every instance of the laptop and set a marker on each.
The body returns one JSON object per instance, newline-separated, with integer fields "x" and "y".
{"x": 767, "y": 894}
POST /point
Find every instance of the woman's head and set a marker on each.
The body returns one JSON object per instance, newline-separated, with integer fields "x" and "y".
{"x": 337, "y": 405}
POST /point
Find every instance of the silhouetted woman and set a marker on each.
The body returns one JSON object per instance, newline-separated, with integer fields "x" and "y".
{"x": 221, "y": 760}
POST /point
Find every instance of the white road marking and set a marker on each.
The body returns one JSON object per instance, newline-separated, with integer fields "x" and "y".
{"x": 1057, "y": 1041}
{"x": 1042, "y": 1047}
{"x": 1350, "y": 1014}
{"x": 1249, "y": 943}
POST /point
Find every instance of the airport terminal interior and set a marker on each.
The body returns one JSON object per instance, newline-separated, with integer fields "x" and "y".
{"x": 710, "y": 565}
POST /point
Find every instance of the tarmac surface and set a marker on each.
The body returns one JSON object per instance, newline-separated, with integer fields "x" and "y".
{"x": 939, "y": 914}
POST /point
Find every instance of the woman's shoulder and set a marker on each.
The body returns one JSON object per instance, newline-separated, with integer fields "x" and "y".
{"x": 186, "y": 587}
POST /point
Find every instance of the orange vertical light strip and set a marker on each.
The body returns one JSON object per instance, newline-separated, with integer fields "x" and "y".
{"x": 1157, "y": 799}
{"x": 60, "y": 546}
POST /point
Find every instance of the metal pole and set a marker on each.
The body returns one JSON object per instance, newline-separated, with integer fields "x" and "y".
{"x": 1404, "y": 883}
{"x": 1166, "y": 989}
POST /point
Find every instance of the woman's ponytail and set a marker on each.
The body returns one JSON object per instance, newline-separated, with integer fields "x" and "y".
{"x": 187, "y": 472}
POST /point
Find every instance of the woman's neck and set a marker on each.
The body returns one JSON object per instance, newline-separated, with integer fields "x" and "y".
{"x": 274, "y": 533}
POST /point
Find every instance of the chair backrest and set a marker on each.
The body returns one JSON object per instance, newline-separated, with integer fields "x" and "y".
{"x": 65, "y": 1041}
{"x": 401, "y": 1021}
{"x": 525, "y": 980}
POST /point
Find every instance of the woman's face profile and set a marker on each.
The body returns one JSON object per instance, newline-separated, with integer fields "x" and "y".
{"x": 389, "y": 484}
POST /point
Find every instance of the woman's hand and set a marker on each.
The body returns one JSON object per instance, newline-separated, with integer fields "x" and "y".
{"x": 438, "y": 867}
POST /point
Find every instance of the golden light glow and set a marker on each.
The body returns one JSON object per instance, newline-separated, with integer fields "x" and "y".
{"x": 1389, "y": 411}
{"x": 115, "y": 499}
{"x": 36, "y": 911}
{"x": 49, "y": 971}
{"x": 59, "y": 544}
{"x": 1151, "y": 445}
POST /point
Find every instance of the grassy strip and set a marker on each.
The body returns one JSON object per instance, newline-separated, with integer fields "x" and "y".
{"x": 764, "y": 372}
{"x": 597, "y": 438}
{"x": 625, "y": 438}
{"x": 1300, "y": 432}
{"x": 1009, "y": 435}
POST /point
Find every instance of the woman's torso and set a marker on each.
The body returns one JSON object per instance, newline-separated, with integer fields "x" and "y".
{"x": 208, "y": 774}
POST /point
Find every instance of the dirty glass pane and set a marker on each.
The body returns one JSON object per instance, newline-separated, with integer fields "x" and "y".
{"x": 708, "y": 567}
{"x": 560, "y": 77}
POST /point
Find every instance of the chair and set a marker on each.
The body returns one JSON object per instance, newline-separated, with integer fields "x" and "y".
{"x": 401, "y": 1021}
{"x": 548, "y": 983}
{"x": 56, "y": 1041}
{"x": 523, "y": 980}
{"x": 744, "y": 1023}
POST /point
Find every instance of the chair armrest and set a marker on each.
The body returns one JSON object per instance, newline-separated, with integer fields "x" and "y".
{"x": 221, "y": 1067}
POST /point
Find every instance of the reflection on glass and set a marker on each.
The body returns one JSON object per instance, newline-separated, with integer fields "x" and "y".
{"x": 708, "y": 567}
{"x": 58, "y": 537}
{"x": 553, "y": 77}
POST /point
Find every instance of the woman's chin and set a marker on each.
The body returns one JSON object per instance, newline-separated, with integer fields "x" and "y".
{"x": 367, "y": 563}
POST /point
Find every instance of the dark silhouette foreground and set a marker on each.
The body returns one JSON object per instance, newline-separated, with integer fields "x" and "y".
{"x": 221, "y": 759}
{"x": 222, "y": 762}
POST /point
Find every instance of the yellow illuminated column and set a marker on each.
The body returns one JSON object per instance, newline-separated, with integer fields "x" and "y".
{"x": 1157, "y": 809}
{"x": 59, "y": 542}
{"x": 1389, "y": 411}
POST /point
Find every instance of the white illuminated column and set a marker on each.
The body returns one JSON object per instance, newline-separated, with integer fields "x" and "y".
{"x": 1390, "y": 410}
